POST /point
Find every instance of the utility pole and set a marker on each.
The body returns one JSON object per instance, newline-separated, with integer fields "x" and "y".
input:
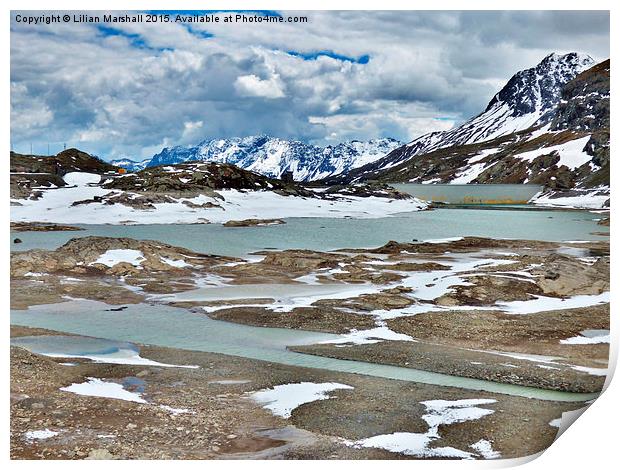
{"x": 30, "y": 148}
{"x": 48, "y": 149}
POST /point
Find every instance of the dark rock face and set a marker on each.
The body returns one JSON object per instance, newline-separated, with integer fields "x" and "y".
{"x": 539, "y": 88}
{"x": 585, "y": 107}
{"x": 585, "y": 101}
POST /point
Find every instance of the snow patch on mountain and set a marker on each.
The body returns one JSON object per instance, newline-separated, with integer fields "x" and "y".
{"x": 572, "y": 154}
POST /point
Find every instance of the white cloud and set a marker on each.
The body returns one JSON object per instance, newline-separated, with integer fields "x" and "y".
{"x": 191, "y": 127}
{"x": 112, "y": 96}
{"x": 251, "y": 85}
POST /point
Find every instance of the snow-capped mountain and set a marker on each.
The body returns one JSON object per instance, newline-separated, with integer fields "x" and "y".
{"x": 274, "y": 157}
{"x": 130, "y": 165}
{"x": 530, "y": 98}
{"x": 565, "y": 150}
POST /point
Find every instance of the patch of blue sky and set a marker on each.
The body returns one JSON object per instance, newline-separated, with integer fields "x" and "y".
{"x": 135, "y": 40}
{"x": 363, "y": 59}
{"x": 197, "y": 32}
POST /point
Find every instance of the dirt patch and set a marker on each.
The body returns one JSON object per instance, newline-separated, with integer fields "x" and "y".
{"x": 321, "y": 319}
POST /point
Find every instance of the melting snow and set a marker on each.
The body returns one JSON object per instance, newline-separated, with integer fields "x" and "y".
{"x": 371, "y": 336}
{"x": 77, "y": 178}
{"x": 544, "y": 304}
{"x": 281, "y": 400}
{"x": 571, "y": 153}
{"x": 55, "y": 205}
{"x": 175, "y": 411}
{"x": 440, "y": 412}
{"x": 591, "y": 370}
{"x": 485, "y": 449}
{"x": 588, "y": 199}
{"x": 113, "y": 257}
{"x": 587, "y": 337}
{"x": 177, "y": 263}
{"x": 43, "y": 434}
{"x": 122, "y": 356}
{"x": 98, "y": 388}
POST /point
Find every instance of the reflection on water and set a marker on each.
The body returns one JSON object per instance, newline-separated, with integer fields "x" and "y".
{"x": 173, "y": 327}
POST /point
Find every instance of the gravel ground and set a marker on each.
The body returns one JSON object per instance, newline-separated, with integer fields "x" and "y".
{"x": 224, "y": 423}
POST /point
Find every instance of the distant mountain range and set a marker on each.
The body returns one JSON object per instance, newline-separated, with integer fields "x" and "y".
{"x": 548, "y": 125}
{"x": 274, "y": 157}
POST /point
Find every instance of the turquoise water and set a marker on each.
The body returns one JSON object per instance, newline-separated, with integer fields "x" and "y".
{"x": 179, "y": 328}
{"x": 329, "y": 234}
{"x": 472, "y": 193}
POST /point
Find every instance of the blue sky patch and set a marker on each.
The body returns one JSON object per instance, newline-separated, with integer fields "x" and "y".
{"x": 363, "y": 59}
{"x": 197, "y": 32}
{"x": 134, "y": 39}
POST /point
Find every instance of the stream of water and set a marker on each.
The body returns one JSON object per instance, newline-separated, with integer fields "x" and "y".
{"x": 162, "y": 325}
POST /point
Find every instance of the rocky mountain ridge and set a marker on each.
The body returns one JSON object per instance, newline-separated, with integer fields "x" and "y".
{"x": 274, "y": 157}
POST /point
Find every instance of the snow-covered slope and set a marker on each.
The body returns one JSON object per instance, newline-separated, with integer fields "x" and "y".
{"x": 196, "y": 192}
{"x": 530, "y": 98}
{"x": 275, "y": 157}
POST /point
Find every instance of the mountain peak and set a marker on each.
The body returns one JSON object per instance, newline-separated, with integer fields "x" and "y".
{"x": 536, "y": 90}
{"x": 571, "y": 58}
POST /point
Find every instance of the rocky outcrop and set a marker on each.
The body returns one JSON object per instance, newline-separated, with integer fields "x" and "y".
{"x": 253, "y": 222}
{"x": 564, "y": 276}
{"x": 196, "y": 178}
{"x": 366, "y": 190}
{"x": 31, "y": 173}
{"x": 113, "y": 256}
{"x": 42, "y": 227}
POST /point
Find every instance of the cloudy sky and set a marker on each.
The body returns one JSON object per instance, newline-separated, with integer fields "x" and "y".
{"x": 131, "y": 89}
